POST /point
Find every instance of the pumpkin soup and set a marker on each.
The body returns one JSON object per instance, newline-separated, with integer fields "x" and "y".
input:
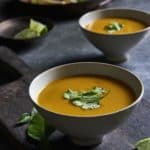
{"x": 115, "y": 26}
{"x": 119, "y": 96}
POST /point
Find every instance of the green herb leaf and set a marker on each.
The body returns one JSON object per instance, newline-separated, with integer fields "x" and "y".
{"x": 85, "y": 105}
{"x": 113, "y": 27}
{"x": 86, "y": 99}
{"x": 143, "y": 144}
{"x": 24, "y": 118}
{"x": 33, "y": 112}
{"x": 38, "y": 129}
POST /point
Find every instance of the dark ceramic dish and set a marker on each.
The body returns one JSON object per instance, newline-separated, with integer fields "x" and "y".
{"x": 9, "y": 28}
{"x": 71, "y": 9}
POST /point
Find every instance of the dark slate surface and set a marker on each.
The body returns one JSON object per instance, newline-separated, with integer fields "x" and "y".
{"x": 14, "y": 100}
{"x": 67, "y": 44}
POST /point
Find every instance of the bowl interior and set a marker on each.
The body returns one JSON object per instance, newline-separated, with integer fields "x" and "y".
{"x": 81, "y": 69}
{"x": 123, "y": 13}
{"x": 9, "y": 28}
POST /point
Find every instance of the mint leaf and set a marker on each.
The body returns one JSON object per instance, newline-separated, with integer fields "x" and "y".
{"x": 86, "y": 99}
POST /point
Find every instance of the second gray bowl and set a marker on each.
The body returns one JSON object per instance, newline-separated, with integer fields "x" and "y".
{"x": 115, "y": 47}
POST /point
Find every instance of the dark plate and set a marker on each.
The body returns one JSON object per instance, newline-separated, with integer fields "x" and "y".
{"x": 9, "y": 28}
{"x": 72, "y": 9}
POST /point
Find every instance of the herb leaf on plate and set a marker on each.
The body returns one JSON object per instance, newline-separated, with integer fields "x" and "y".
{"x": 38, "y": 129}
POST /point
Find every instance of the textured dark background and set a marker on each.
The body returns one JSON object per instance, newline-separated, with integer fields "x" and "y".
{"x": 66, "y": 43}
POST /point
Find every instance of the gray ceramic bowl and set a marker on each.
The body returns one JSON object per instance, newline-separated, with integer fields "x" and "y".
{"x": 115, "y": 47}
{"x": 86, "y": 130}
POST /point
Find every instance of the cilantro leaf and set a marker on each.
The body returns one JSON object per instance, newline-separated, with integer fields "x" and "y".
{"x": 113, "y": 27}
{"x": 89, "y": 99}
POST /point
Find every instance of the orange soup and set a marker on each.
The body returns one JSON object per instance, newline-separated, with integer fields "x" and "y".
{"x": 119, "y": 96}
{"x": 115, "y": 26}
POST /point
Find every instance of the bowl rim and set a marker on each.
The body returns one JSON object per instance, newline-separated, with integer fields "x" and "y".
{"x": 136, "y": 101}
{"x": 27, "y": 17}
{"x": 116, "y": 9}
{"x": 64, "y": 5}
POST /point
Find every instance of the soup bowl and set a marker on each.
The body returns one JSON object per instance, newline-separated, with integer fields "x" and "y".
{"x": 115, "y": 46}
{"x": 86, "y": 130}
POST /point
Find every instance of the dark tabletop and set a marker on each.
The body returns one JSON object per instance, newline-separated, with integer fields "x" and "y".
{"x": 66, "y": 44}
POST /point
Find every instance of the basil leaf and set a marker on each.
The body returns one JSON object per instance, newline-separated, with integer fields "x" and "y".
{"x": 27, "y": 117}
{"x": 36, "y": 128}
{"x": 24, "y": 118}
{"x": 33, "y": 112}
{"x": 86, "y": 99}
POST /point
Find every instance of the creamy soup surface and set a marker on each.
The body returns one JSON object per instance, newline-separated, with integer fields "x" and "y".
{"x": 128, "y": 25}
{"x": 51, "y": 97}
